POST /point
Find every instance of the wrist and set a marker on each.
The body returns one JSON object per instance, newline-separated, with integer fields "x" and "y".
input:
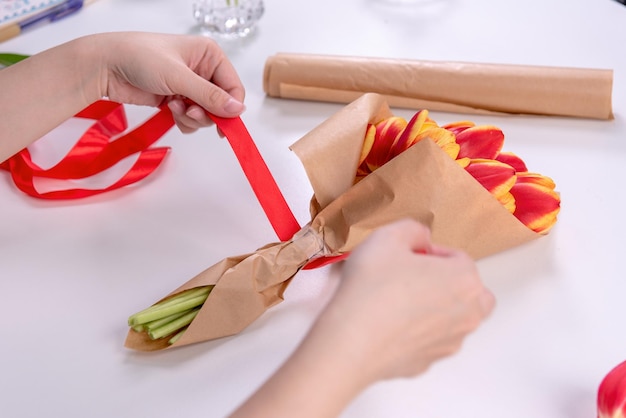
{"x": 340, "y": 358}
{"x": 92, "y": 55}
{"x": 320, "y": 379}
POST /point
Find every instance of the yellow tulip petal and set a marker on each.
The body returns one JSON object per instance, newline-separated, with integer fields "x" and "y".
{"x": 368, "y": 142}
{"x": 508, "y": 201}
{"x": 442, "y": 137}
{"x": 452, "y": 149}
{"x": 463, "y": 162}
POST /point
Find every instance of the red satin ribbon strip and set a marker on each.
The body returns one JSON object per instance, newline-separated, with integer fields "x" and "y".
{"x": 96, "y": 150}
{"x": 263, "y": 184}
{"x": 259, "y": 176}
{"x": 103, "y": 146}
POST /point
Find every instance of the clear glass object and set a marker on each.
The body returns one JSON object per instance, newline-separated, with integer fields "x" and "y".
{"x": 228, "y": 18}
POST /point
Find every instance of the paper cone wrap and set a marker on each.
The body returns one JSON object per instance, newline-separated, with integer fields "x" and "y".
{"x": 443, "y": 86}
{"x": 422, "y": 183}
{"x": 245, "y": 287}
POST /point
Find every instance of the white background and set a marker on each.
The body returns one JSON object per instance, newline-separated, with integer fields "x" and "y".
{"x": 71, "y": 272}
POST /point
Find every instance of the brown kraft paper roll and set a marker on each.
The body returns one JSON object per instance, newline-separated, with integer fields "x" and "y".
{"x": 458, "y": 87}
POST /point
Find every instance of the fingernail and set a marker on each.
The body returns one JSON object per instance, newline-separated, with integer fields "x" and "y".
{"x": 234, "y": 106}
{"x": 195, "y": 113}
{"x": 176, "y": 106}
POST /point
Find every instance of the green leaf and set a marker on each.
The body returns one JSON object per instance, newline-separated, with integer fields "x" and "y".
{"x": 10, "y": 59}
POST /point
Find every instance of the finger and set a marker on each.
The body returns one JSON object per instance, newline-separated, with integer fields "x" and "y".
{"x": 443, "y": 251}
{"x": 226, "y": 77}
{"x": 217, "y": 68}
{"x": 213, "y": 98}
{"x": 412, "y": 234}
{"x": 188, "y": 119}
{"x": 199, "y": 115}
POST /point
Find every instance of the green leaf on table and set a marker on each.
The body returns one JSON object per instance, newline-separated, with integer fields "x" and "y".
{"x": 10, "y": 59}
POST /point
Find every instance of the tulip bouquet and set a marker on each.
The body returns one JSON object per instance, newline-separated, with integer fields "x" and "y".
{"x": 367, "y": 167}
{"x": 530, "y": 197}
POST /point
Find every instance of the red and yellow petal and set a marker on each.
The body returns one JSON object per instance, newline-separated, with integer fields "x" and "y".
{"x": 410, "y": 133}
{"x": 458, "y": 127}
{"x": 480, "y": 142}
{"x": 463, "y": 162}
{"x": 452, "y": 149}
{"x": 498, "y": 178}
{"x": 535, "y": 178}
{"x": 513, "y": 160}
{"x": 531, "y": 197}
{"x": 368, "y": 142}
{"x": 387, "y": 133}
{"x": 537, "y": 204}
{"x": 508, "y": 201}
{"x": 443, "y": 138}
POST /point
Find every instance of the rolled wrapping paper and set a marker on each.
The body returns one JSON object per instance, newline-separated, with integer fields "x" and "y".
{"x": 422, "y": 183}
{"x": 459, "y": 87}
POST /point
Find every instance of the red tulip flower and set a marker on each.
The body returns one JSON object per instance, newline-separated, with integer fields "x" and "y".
{"x": 537, "y": 204}
{"x": 530, "y": 197}
{"x": 612, "y": 393}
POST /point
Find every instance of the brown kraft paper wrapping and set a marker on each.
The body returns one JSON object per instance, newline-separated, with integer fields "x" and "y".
{"x": 422, "y": 183}
{"x": 459, "y": 87}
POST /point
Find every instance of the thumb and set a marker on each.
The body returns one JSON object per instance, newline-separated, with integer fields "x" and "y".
{"x": 213, "y": 99}
{"x": 487, "y": 302}
{"x": 219, "y": 103}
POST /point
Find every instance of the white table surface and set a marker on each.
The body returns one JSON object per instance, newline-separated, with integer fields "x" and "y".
{"x": 71, "y": 272}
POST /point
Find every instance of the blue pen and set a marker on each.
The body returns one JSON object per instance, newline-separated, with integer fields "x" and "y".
{"x": 49, "y": 15}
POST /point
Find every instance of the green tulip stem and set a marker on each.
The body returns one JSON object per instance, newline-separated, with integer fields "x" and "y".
{"x": 160, "y": 322}
{"x": 174, "y": 325}
{"x": 177, "y": 336}
{"x": 180, "y": 302}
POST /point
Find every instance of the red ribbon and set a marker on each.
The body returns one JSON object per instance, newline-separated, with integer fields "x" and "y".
{"x": 101, "y": 147}
{"x": 95, "y": 151}
{"x": 263, "y": 184}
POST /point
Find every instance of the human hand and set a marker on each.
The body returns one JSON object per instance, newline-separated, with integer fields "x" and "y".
{"x": 403, "y": 303}
{"x": 150, "y": 69}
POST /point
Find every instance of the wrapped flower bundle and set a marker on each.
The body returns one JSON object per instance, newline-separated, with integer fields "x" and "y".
{"x": 367, "y": 168}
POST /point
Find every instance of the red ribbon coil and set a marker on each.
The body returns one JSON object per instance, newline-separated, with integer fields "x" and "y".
{"x": 104, "y": 145}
